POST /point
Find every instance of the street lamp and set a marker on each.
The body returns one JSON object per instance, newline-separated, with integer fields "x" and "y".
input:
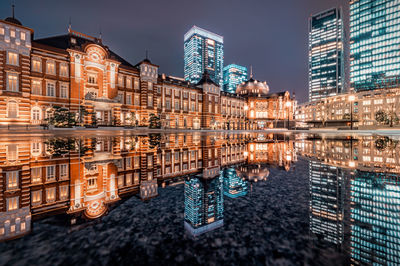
{"x": 351, "y": 100}
{"x": 288, "y": 104}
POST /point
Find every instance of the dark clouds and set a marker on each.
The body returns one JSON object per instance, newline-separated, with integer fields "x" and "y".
{"x": 271, "y": 35}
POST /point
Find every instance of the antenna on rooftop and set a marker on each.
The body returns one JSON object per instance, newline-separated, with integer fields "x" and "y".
{"x": 13, "y": 7}
{"x": 147, "y": 54}
{"x": 251, "y": 71}
{"x": 100, "y": 33}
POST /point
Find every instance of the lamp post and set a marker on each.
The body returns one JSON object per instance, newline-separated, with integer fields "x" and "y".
{"x": 288, "y": 104}
{"x": 351, "y": 100}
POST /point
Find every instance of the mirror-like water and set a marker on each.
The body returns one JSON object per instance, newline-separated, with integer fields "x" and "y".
{"x": 192, "y": 198}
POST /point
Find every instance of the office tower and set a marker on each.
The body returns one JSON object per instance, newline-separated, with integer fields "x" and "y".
{"x": 204, "y": 51}
{"x": 234, "y": 185}
{"x": 233, "y": 75}
{"x": 374, "y": 44}
{"x": 375, "y": 226}
{"x": 326, "y": 202}
{"x": 326, "y": 55}
{"x": 204, "y": 205}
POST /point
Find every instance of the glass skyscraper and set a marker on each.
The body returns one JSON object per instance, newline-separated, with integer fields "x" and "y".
{"x": 375, "y": 226}
{"x": 234, "y": 185}
{"x": 374, "y": 44}
{"x": 204, "y": 204}
{"x": 233, "y": 76}
{"x": 203, "y": 51}
{"x": 326, "y": 202}
{"x": 326, "y": 55}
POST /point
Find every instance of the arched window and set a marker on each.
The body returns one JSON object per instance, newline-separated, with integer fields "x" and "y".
{"x": 36, "y": 149}
{"x": 36, "y": 114}
{"x": 12, "y": 109}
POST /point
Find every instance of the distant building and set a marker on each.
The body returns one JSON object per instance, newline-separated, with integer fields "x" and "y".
{"x": 204, "y": 205}
{"x": 326, "y": 54}
{"x": 234, "y": 185}
{"x": 204, "y": 51}
{"x": 233, "y": 76}
{"x": 374, "y": 44}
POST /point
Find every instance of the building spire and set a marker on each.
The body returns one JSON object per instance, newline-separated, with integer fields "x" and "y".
{"x": 69, "y": 24}
{"x": 147, "y": 55}
{"x": 13, "y": 13}
{"x": 251, "y": 72}
{"x": 100, "y": 35}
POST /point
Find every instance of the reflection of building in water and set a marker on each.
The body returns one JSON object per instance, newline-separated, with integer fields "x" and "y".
{"x": 234, "y": 185}
{"x": 326, "y": 201}
{"x": 84, "y": 177}
{"x": 204, "y": 209}
{"x": 375, "y": 228}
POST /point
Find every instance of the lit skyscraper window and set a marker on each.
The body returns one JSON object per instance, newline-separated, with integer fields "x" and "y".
{"x": 374, "y": 44}
{"x": 203, "y": 51}
{"x": 233, "y": 76}
{"x": 326, "y": 55}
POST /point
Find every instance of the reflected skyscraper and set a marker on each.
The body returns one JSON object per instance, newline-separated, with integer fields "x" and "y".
{"x": 203, "y": 51}
{"x": 326, "y": 201}
{"x": 204, "y": 205}
{"x": 374, "y": 44}
{"x": 326, "y": 54}
{"x": 233, "y": 76}
{"x": 234, "y": 185}
{"x": 375, "y": 228}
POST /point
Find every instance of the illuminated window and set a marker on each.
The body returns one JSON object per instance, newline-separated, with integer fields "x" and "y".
{"x": 150, "y": 100}
{"x": 36, "y": 197}
{"x": 136, "y": 100}
{"x": 12, "y": 59}
{"x": 12, "y": 203}
{"x": 63, "y": 192}
{"x": 51, "y": 67}
{"x": 36, "y": 174}
{"x": 120, "y": 81}
{"x": 51, "y": 89}
{"x": 23, "y": 226}
{"x": 36, "y": 65}
{"x": 63, "y": 171}
{"x": 128, "y": 98}
{"x": 121, "y": 97}
{"x": 64, "y": 70}
{"x": 136, "y": 177}
{"x": 50, "y": 173}
{"x": 150, "y": 86}
{"x": 23, "y": 36}
{"x": 129, "y": 83}
{"x": 64, "y": 91}
{"x": 149, "y": 160}
{"x": 36, "y": 87}
{"x": 129, "y": 179}
{"x": 12, "y": 180}
{"x": 12, "y": 109}
{"x": 136, "y": 84}
{"x": 12, "y": 82}
{"x": 50, "y": 194}
{"x": 128, "y": 163}
{"x": 1, "y": 31}
{"x": 12, "y": 33}
{"x": 120, "y": 181}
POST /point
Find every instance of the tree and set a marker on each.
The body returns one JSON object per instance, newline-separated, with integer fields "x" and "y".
{"x": 154, "y": 121}
{"x": 381, "y": 117}
{"x": 61, "y": 117}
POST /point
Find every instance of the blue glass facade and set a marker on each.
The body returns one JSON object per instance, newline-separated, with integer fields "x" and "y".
{"x": 375, "y": 215}
{"x": 234, "y": 186}
{"x": 374, "y": 44}
{"x": 233, "y": 76}
{"x": 204, "y": 204}
{"x": 326, "y": 202}
{"x": 326, "y": 55}
{"x": 203, "y": 51}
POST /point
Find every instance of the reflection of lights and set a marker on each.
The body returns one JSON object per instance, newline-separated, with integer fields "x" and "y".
{"x": 246, "y": 108}
{"x": 352, "y": 98}
{"x": 245, "y": 154}
{"x": 288, "y": 158}
{"x": 288, "y": 104}
{"x": 352, "y": 164}
{"x": 251, "y": 147}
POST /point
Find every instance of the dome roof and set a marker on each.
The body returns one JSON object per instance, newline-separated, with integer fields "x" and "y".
{"x": 253, "y": 86}
{"x": 13, "y": 20}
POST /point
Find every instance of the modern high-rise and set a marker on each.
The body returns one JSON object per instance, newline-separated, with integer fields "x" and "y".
{"x": 204, "y": 205}
{"x": 204, "y": 51}
{"x": 374, "y": 44}
{"x": 326, "y": 63}
{"x": 233, "y": 75}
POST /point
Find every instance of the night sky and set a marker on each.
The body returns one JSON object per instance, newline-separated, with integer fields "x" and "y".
{"x": 270, "y": 35}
